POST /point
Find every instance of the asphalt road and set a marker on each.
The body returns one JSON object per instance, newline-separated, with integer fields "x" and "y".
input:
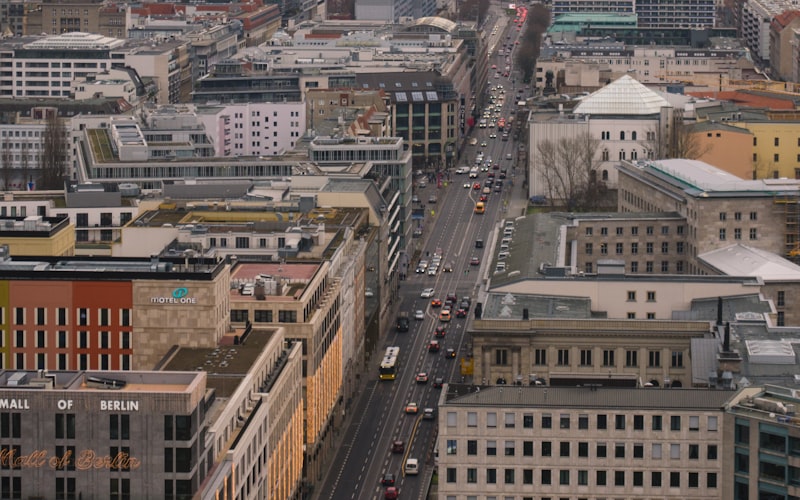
{"x": 378, "y": 417}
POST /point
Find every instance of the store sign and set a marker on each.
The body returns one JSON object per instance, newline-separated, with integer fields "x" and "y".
{"x": 85, "y": 460}
{"x": 14, "y": 404}
{"x": 179, "y": 296}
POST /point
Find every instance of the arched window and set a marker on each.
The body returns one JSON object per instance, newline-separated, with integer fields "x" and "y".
{"x": 622, "y": 154}
{"x": 605, "y": 155}
{"x": 605, "y": 175}
{"x": 634, "y": 155}
{"x": 622, "y": 135}
{"x": 633, "y": 135}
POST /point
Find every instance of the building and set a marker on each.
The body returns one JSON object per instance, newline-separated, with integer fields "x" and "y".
{"x": 236, "y": 82}
{"x": 583, "y": 441}
{"x": 763, "y": 427}
{"x": 650, "y": 13}
{"x": 756, "y": 21}
{"x": 724, "y": 146}
{"x": 36, "y": 235}
{"x": 719, "y": 208}
{"x": 628, "y": 119}
{"x": 89, "y": 16}
{"x": 782, "y": 55}
{"x": 12, "y": 18}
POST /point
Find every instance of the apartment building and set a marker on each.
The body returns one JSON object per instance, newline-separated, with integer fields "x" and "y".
{"x": 582, "y": 442}
{"x": 755, "y": 20}
{"x": 89, "y": 16}
{"x": 763, "y": 430}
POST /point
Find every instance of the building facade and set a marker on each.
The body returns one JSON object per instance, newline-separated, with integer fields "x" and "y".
{"x": 92, "y": 16}
{"x": 576, "y": 442}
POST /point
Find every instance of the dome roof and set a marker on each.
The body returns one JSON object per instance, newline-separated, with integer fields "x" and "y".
{"x": 624, "y": 96}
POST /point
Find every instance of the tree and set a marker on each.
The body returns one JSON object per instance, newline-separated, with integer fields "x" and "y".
{"x": 53, "y": 159}
{"x": 568, "y": 167}
{"x": 6, "y": 163}
{"x": 531, "y": 40}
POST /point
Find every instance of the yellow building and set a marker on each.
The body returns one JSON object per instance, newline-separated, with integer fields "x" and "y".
{"x": 37, "y": 235}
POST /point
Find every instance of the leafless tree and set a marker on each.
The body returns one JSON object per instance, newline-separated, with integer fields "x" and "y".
{"x": 53, "y": 159}
{"x": 568, "y": 167}
{"x": 24, "y": 167}
{"x": 6, "y": 163}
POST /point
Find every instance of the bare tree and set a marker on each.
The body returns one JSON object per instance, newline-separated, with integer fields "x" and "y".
{"x": 24, "y": 167}
{"x": 568, "y": 168}
{"x": 53, "y": 159}
{"x": 6, "y": 163}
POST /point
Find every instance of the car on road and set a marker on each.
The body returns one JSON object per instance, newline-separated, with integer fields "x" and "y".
{"x": 444, "y": 316}
{"x": 428, "y": 414}
{"x": 433, "y": 270}
{"x": 419, "y": 315}
{"x": 483, "y": 198}
{"x": 475, "y": 261}
{"x": 432, "y": 199}
{"x": 427, "y": 293}
{"x": 476, "y": 186}
{"x": 387, "y": 479}
{"x": 415, "y": 199}
{"x": 492, "y": 136}
{"x": 433, "y": 346}
{"x": 391, "y": 493}
{"x": 398, "y": 446}
{"x": 436, "y": 303}
{"x": 421, "y": 378}
{"x": 448, "y": 268}
{"x": 440, "y": 332}
{"x": 462, "y": 170}
{"x": 484, "y": 144}
{"x": 438, "y": 382}
{"x": 450, "y": 354}
{"x": 467, "y": 185}
{"x": 461, "y": 313}
{"x": 412, "y": 408}
{"x": 473, "y": 141}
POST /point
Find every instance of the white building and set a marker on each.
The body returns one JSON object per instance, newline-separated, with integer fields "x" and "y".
{"x": 625, "y": 116}
{"x": 122, "y": 83}
{"x": 756, "y": 18}
{"x": 253, "y": 129}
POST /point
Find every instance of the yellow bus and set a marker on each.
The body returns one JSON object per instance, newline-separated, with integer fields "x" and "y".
{"x": 389, "y": 364}
{"x": 480, "y": 207}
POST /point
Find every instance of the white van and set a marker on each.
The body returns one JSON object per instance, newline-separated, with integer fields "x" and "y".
{"x": 473, "y": 173}
{"x": 412, "y": 467}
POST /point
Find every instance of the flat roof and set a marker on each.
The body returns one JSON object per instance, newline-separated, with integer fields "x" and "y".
{"x": 614, "y": 398}
{"x": 743, "y": 260}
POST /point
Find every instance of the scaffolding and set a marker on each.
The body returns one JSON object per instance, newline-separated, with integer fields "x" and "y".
{"x": 789, "y": 208}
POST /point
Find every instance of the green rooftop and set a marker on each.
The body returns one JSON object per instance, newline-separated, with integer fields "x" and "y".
{"x": 574, "y": 22}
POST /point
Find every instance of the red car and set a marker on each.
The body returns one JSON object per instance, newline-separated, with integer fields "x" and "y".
{"x": 439, "y": 332}
{"x": 476, "y": 186}
{"x": 436, "y": 303}
{"x": 391, "y": 493}
{"x": 484, "y": 198}
{"x": 475, "y": 261}
{"x": 461, "y": 313}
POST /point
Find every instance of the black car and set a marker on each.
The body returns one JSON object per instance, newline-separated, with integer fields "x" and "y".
{"x": 387, "y": 480}
{"x": 438, "y": 382}
{"x": 450, "y": 354}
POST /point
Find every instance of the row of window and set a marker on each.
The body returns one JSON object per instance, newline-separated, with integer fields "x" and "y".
{"x": 620, "y": 231}
{"x": 649, "y": 266}
{"x": 83, "y": 316}
{"x": 649, "y": 247}
{"x": 566, "y": 477}
{"x": 581, "y": 449}
{"x": 601, "y": 421}
{"x": 62, "y": 339}
{"x": 586, "y": 356}
{"x": 84, "y": 362}
{"x": 737, "y": 233}
{"x": 263, "y": 316}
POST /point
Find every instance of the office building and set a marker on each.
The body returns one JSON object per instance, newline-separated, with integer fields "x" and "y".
{"x": 89, "y": 16}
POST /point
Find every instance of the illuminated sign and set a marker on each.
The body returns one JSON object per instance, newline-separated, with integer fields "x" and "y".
{"x": 179, "y": 296}
{"x": 14, "y": 404}
{"x": 85, "y": 460}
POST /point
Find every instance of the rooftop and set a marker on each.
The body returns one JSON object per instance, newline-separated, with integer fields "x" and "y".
{"x": 624, "y": 96}
{"x": 587, "y": 397}
{"x": 743, "y": 260}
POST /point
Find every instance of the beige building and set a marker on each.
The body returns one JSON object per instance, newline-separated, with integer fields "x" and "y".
{"x": 90, "y": 16}
{"x": 582, "y": 442}
{"x": 36, "y": 235}
{"x": 726, "y": 147}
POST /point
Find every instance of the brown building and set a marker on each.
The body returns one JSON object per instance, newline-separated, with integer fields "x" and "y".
{"x": 54, "y": 17}
{"x": 726, "y": 147}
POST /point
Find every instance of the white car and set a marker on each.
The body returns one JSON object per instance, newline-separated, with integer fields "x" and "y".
{"x": 419, "y": 315}
{"x": 462, "y": 170}
{"x": 432, "y": 271}
{"x": 467, "y": 185}
{"x": 492, "y": 136}
{"x": 427, "y": 293}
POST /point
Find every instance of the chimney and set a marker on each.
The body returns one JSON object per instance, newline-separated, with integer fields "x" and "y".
{"x": 719, "y": 310}
{"x": 728, "y": 360}
{"x": 726, "y": 343}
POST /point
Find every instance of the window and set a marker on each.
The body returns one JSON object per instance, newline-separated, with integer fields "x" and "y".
{"x": 620, "y": 231}
{"x": 753, "y": 233}
{"x": 619, "y": 478}
{"x": 491, "y": 476}
{"x": 737, "y": 233}
{"x": 712, "y": 423}
{"x": 509, "y": 420}
{"x": 648, "y": 266}
{"x": 649, "y": 230}
{"x": 631, "y": 358}
{"x": 491, "y": 447}
{"x": 452, "y": 446}
{"x": 19, "y": 316}
{"x": 491, "y": 419}
{"x": 675, "y": 423}
{"x": 634, "y": 248}
{"x": 655, "y": 479}
{"x": 694, "y": 451}
{"x": 634, "y": 267}
{"x": 619, "y": 249}
{"x": 602, "y": 450}
{"x": 619, "y": 422}
{"x": 723, "y": 216}
{"x": 649, "y": 247}
{"x": 451, "y": 475}
{"x": 472, "y": 447}
{"x": 501, "y": 356}
{"x": 546, "y": 476}
{"x": 472, "y": 475}
{"x": 638, "y": 450}
{"x": 472, "y": 419}
{"x": 601, "y": 478}
{"x": 563, "y": 476}
{"x": 604, "y": 248}
{"x": 586, "y": 357}
{"x": 638, "y": 422}
{"x": 665, "y": 248}
{"x": 656, "y": 451}
{"x": 583, "y": 449}
{"x": 509, "y": 448}
{"x": 608, "y": 357}
{"x": 563, "y": 357}
{"x": 83, "y": 316}
{"x": 602, "y": 421}
{"x": 694, "y": 423}
{"x": 675, "y": 479}
{"x": 711, "y": 480}
{"x": 40, "y": 316}
{"x": 125, "y": 317}
{"x": 104, "y": 317}
{"x": 527, "y": 476}
{"x": 564, "y": 448}
{"x": 631, "y": 296}
{"x": 583, "y": 477}
{"x": 654, "y": 359}
{"x": 656, "y": 422}
{"x": 547, "y": 449}
{"x": 722, "y": 234}
{"x": 540, "y": 357}
{"x": 619, "y": 450}
{"x": 583, "y": 421}
{"x": 677, "y": 359}
{"x": 527, "y": 421}
{"x": 604, "y": 231}
{"x": 588, "y": 249}
{"x": 527, "y": 448}
{"x": 753, "y": 215}
{"x": 547, "y": 421}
